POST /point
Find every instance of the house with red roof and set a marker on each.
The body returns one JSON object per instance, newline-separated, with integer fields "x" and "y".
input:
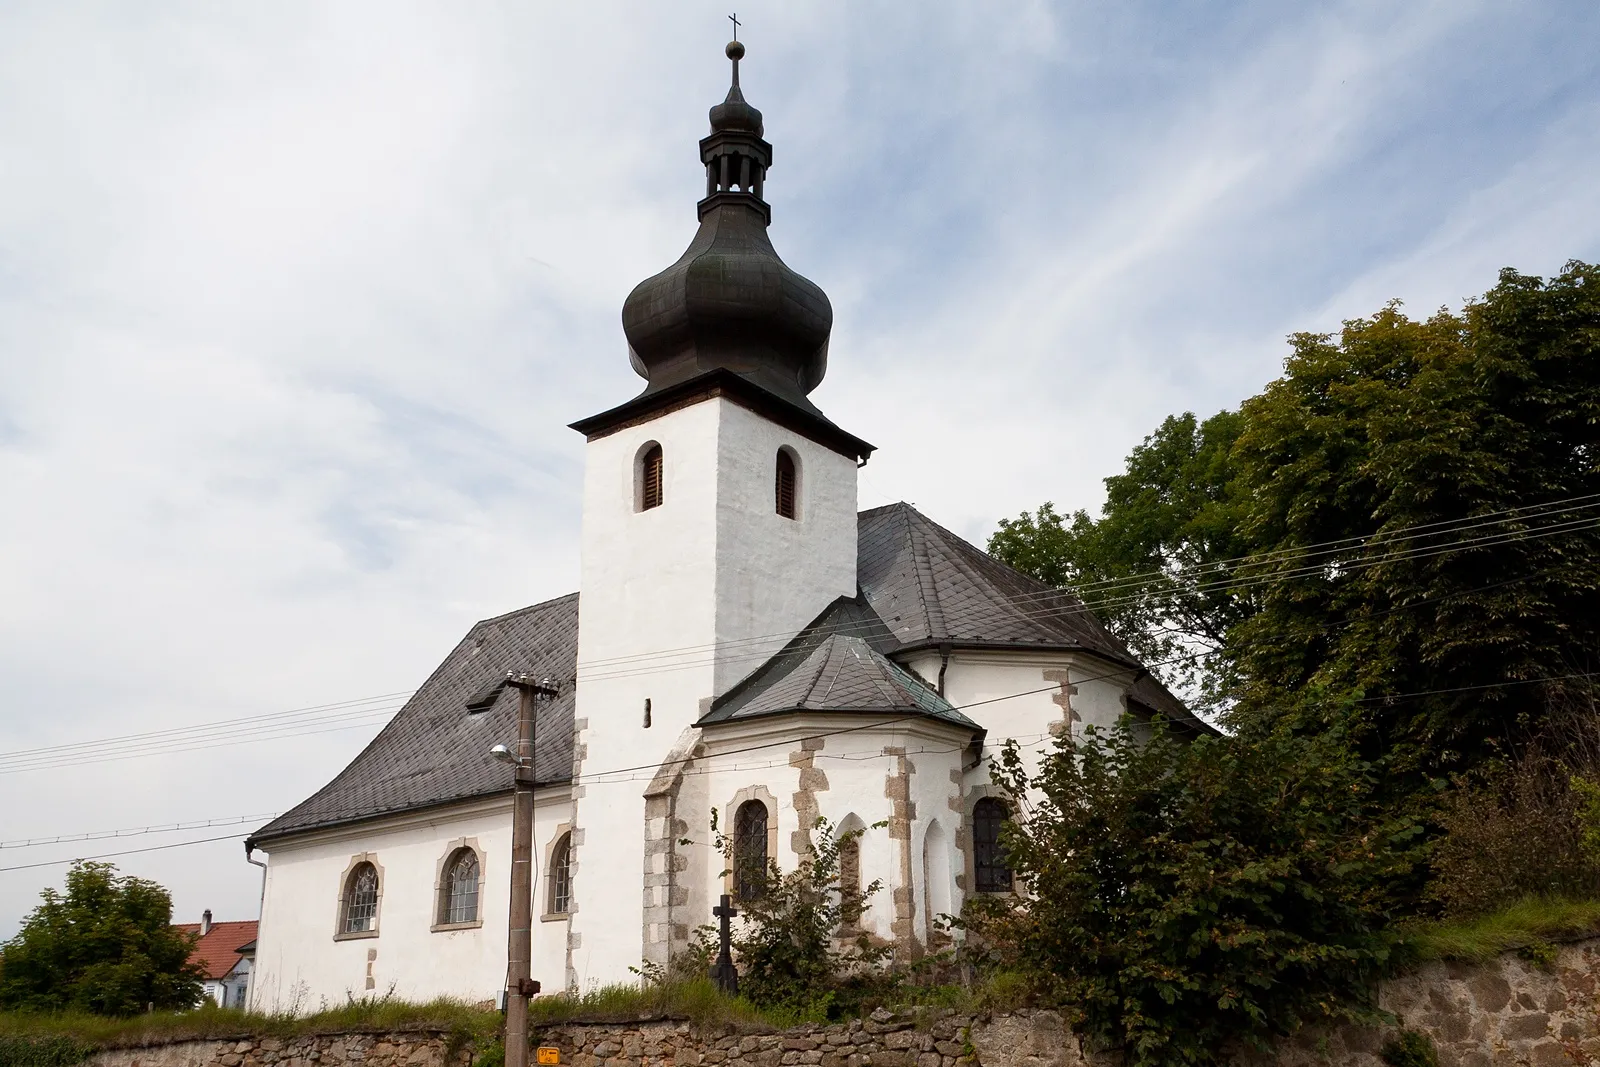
{"x": 224, "y": 952}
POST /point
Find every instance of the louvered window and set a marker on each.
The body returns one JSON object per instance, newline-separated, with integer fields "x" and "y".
{"x": 988, "y": 858}
{"x": 460, "y": 903}
{"x": 750, "y": 850}
{"x": 561, "y": 876}
{"x": 360, "y": 900}
{"x": 650, "y": 490}
{"x": 785, "y": 484}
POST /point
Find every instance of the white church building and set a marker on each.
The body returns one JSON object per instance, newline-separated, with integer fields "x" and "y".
{"x": 745, "y": 642}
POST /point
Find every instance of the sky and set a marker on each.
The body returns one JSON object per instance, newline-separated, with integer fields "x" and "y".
{"x": 297, "y": 301}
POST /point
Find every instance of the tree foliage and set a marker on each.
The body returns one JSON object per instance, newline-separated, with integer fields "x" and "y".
{"x": 1410, "y": 516}
{"x": 1184, "y": 898}
{"x": 107, "y": 946}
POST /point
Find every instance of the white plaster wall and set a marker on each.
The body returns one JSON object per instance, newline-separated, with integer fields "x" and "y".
{"x": 679, "y": 602}
{"x": 775, "y": 574}
{"x": 857, "y": 771}
{"x": 647, "y": 579}
{"x": 300, "y": 966}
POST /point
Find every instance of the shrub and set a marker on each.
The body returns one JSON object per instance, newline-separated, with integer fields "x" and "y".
{"x": 1408, "y": 1048}
{"x": 1523, "y": 827}
{"x": 1184, "y": 898}
{"x": 797, "y": 944}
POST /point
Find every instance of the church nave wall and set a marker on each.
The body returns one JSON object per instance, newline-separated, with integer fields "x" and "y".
{"x": 307, "y": 961}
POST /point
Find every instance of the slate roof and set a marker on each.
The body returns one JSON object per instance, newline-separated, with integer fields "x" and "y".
{"x": 217, "y": 952}
{"x": 833, "y": 666}
{"x": 920, "y": 586}
{"x": 434, "y": 751}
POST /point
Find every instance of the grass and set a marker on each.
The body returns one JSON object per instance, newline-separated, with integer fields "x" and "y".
{"x": 1519, "y": 926}
{"x": 697, "y": 1000}
{"x": 458, "y": 1020}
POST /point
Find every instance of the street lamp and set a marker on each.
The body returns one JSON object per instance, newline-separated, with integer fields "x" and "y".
{"x": 519, "y": 949}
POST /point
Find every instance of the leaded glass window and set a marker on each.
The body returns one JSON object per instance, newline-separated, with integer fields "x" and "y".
{"x": 361, "y": 900}
{"x": 461, "y": 888}
{"x": 561, "y": 876}
{"x": 988, "y": 858}
{"x": 750, "y": 850}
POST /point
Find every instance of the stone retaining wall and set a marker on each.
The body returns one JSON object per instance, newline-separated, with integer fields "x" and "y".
{"x": 416, "y": 1049}
{"x": 1508, "y": 1013}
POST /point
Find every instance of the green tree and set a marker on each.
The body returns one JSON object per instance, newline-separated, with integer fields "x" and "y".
{"x": 1184, "y": 898}
{"x": 107, "y": 946}
{"x": 1148, "y": 565}
{"x": 1417, "y": 505}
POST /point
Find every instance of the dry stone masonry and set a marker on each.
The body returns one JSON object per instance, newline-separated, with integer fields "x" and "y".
{"x": 1507, "y": 1013}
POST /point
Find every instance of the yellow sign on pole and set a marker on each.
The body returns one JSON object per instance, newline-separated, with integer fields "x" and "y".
{"x": 547, "y": 1056}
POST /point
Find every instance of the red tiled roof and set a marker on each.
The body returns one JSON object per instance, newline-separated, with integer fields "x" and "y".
{"x": 217, "y": 952}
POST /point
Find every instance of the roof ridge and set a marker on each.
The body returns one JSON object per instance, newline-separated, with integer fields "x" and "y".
{"x": 938, "y": 629}
{"x": 523, "y": 611}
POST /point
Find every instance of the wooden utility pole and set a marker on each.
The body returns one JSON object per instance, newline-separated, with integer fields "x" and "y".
{"x": 519, "y": 950}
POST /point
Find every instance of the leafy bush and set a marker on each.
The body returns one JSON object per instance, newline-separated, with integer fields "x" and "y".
{"x": 1184, "y": 898}
{"x": 1408, "y": 1048}
{"x": 1524, "y": 827}
{"x": 106, "y": 946}
{"x": 797, "y": 944}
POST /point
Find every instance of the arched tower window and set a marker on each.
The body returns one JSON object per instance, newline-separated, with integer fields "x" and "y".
{"x": 988, "y": 858}
{"x": 651, "y": 491}
{"x": 561, "y": 876}
{"x": 750, "y": 850}
{"x": 787, "y": 484}
{"x": 458, "y": 893}
{"x": 360, "y": 901}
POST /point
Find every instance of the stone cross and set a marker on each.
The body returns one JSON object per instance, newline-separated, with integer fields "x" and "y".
{"x": 723, "y": 972}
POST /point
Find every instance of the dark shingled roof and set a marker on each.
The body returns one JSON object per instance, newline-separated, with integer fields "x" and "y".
{"x": 921, "y": 586}
{"x": 932, "y": 587}
{"x": 832, "y": 666}
{"x": 434, "y": 751}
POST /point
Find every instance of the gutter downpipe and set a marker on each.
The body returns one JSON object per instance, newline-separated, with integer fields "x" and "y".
{"x": 944, "y": 663}
{"x": 261, "y": 908}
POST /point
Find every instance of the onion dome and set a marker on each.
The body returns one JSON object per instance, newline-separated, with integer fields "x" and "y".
{"x": 729, "y": 303}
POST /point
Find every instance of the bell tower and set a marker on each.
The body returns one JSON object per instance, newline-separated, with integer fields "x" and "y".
{"x": 719, "y": 518}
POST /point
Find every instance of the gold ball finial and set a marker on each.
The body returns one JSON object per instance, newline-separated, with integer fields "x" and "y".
{"x": 735, "y": 51}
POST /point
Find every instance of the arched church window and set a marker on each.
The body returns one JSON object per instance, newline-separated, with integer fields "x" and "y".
{"x": 458, "y": 901}
{"x": 850, "y": 866}
{"x": 561, "y": 876}
{"x": 988, "y": 858}
{"x": 750, "y": 850}
{"x": 650, "y": 479}
{"x": 787, "y": 484}
{"x": 360, "y": 902}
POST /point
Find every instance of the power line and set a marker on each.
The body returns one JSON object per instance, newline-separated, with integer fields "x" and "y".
{"x": 292, "y": 723}
{"x": 137, "y": 831}
{"x": 125, "y": 852}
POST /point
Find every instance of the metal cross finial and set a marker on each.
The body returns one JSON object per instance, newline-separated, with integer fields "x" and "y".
{"x": 734, "y": 18}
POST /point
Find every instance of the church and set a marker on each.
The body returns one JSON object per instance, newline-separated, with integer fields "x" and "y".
{"x": 747, "y": 647}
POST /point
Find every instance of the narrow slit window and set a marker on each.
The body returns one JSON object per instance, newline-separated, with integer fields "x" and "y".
{"x": 785, "y": 483}
{"x": 650, "y": 489}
